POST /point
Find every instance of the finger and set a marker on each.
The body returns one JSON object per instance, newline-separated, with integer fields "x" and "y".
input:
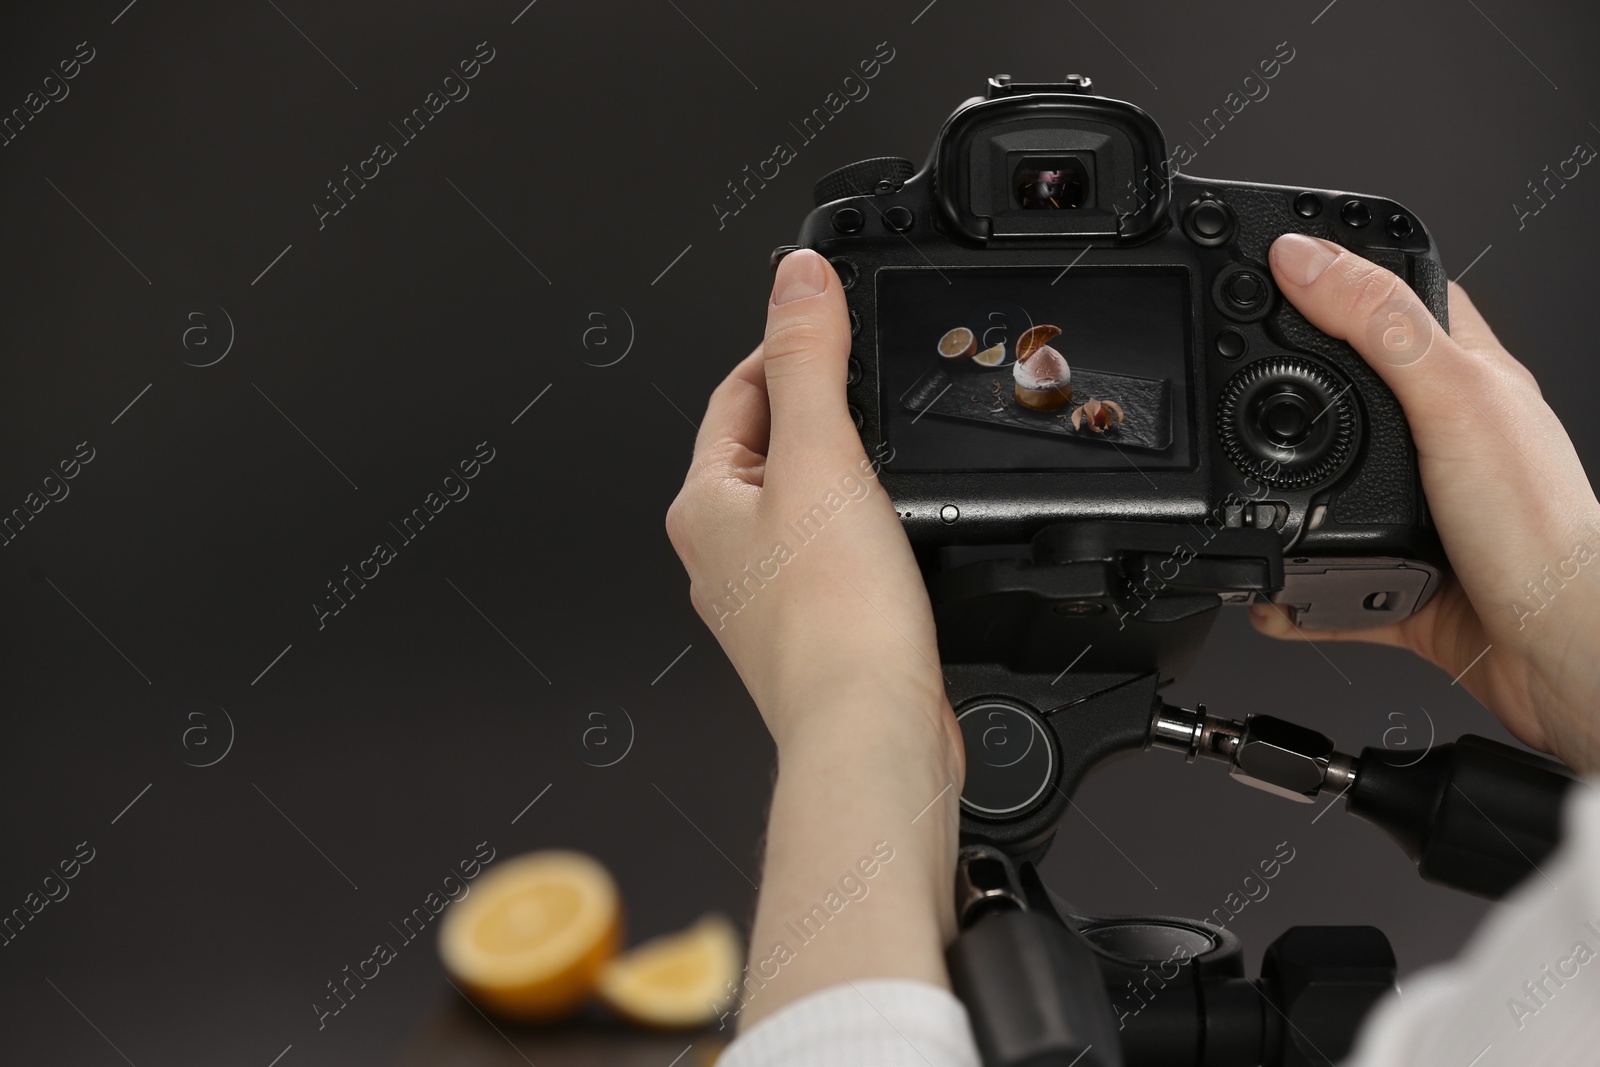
{"x": 1503, "y": 482}
{"x": 1378, "y": 315}
{"x": 807, "y": 346}
{"x": 1274, "y": 620}
{"x": 1473, "y": 417}
{"x": 733, "y": 433}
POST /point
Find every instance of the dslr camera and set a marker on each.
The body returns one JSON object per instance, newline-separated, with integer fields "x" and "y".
{"x": 1102, "y": 417}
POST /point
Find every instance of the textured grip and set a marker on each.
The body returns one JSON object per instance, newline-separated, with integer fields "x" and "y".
{"x": 1476, "y": 814}
{"x": 861, "y": 178}
{"x": 1383, "y": 489}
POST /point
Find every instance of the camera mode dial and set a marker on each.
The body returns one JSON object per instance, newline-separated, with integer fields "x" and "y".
{"x": 881, "y": 174}
{"x": 1287, "y": 422}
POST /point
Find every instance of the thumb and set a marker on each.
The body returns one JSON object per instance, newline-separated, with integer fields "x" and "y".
{"x": 1504, "y": 484}
{"x": 806, "y": 350}
{"x": 1378, "y": 315}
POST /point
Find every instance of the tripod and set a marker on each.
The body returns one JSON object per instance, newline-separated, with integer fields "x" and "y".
{"x": 1048, "y": 987}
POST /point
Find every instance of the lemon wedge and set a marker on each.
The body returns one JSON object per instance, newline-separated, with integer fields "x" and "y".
{"x": 678, "y": 980}
{"x": 993, "y": 356}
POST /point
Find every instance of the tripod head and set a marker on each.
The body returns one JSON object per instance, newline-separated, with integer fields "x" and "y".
{"x": 1046, "y": 985}
{"x": 1054, "y": 651}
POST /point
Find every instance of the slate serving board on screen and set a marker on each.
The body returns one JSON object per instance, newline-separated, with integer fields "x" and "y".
{"x": 1146, "y": 423}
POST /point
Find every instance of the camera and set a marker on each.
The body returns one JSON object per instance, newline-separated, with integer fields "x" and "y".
{"x": 1073, "y": 354}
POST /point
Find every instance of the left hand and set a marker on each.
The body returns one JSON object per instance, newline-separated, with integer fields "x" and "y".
{"x": 796, "y": 557}
{"x": 798, "y": 563}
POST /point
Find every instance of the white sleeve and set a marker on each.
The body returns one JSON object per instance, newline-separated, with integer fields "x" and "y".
{"x": 873, "y": 1022}
{"x": 1527, "y": 988}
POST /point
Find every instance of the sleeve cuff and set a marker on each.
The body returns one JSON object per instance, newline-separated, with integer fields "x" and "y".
{"x": 876, "y": 1022}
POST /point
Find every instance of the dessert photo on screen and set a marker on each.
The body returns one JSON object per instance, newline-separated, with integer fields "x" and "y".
{"x": 1042, "y": 382}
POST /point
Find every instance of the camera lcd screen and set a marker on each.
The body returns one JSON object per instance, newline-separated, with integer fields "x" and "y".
{"x": 1029, "y": 369}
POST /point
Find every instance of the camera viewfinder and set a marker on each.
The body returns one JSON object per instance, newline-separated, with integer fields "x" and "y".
{"x": 1053, "y": 183}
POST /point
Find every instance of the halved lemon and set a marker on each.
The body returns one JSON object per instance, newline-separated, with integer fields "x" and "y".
{"x": 529, "y": 941}
{"x": 1034, "y": 338}
{"x": 991, "y": 357}
{"x": 958, "y": 343}
{"x": 678, "y": 980}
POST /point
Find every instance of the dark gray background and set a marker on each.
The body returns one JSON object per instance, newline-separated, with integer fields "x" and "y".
{"x": 409, "y": 330}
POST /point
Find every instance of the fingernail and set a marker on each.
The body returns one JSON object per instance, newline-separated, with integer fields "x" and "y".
{"x": 1301, "y": 259}
{"x": 800, "y": 275}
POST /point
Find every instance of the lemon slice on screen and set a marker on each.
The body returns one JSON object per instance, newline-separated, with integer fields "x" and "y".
{"x": 958, "y": 343}
{"x": 530, "y": 940}
{"x": 678, "y": 980}
{"x": 991, "y": 357}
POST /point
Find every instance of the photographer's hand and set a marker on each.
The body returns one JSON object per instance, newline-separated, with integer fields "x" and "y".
{"x": 1507, "y": 491}
{"x": 798, "y": 564}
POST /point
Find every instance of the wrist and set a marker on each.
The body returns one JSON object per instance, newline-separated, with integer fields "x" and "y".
{"x": 914, "y": 722}
{"x": 1562, "y": 698}
{"x": 866, "y": 771}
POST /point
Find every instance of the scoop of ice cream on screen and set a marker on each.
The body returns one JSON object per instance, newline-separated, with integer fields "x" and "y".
{"x": 1044, "y": 369}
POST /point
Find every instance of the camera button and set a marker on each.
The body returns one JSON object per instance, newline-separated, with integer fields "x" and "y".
{"x": 1355, "y": 213}
{"x": 1399, "y": 227}
{"x": 856, "y": 416}
{"x": 848, "y": 220}
{"x": 1285, "y": 419}
{"x": 846, "y": 271}
{"x": 1308, "y": 205}
{"x": 852, "y": 373}
{"x": 1230, "y": 344}
{"x": 1209, "y": 222}
{"x": 899, "y": 219}
{"x": 1242, "y": 292}
{"x": 949, "y": 514}
{"x": 1244, "y": 289}
{"x": 855, "y": 322}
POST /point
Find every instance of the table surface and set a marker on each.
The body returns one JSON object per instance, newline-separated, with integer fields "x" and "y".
{"x": 457, "y": 1036}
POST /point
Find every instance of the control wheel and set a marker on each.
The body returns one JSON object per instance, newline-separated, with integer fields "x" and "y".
{"x": 1288, "y": 422}
{"x": 882, "y": 174}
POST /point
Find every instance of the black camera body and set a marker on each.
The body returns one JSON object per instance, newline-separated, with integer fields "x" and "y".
{"x": 1202, "y": 437}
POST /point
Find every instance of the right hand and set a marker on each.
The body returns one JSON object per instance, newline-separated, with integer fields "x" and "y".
{"x": 1507, "y": 492}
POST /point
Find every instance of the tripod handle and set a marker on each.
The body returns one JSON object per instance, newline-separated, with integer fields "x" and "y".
{"x": 1033, "y": 992}
{"x": 1476, "y": 815}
